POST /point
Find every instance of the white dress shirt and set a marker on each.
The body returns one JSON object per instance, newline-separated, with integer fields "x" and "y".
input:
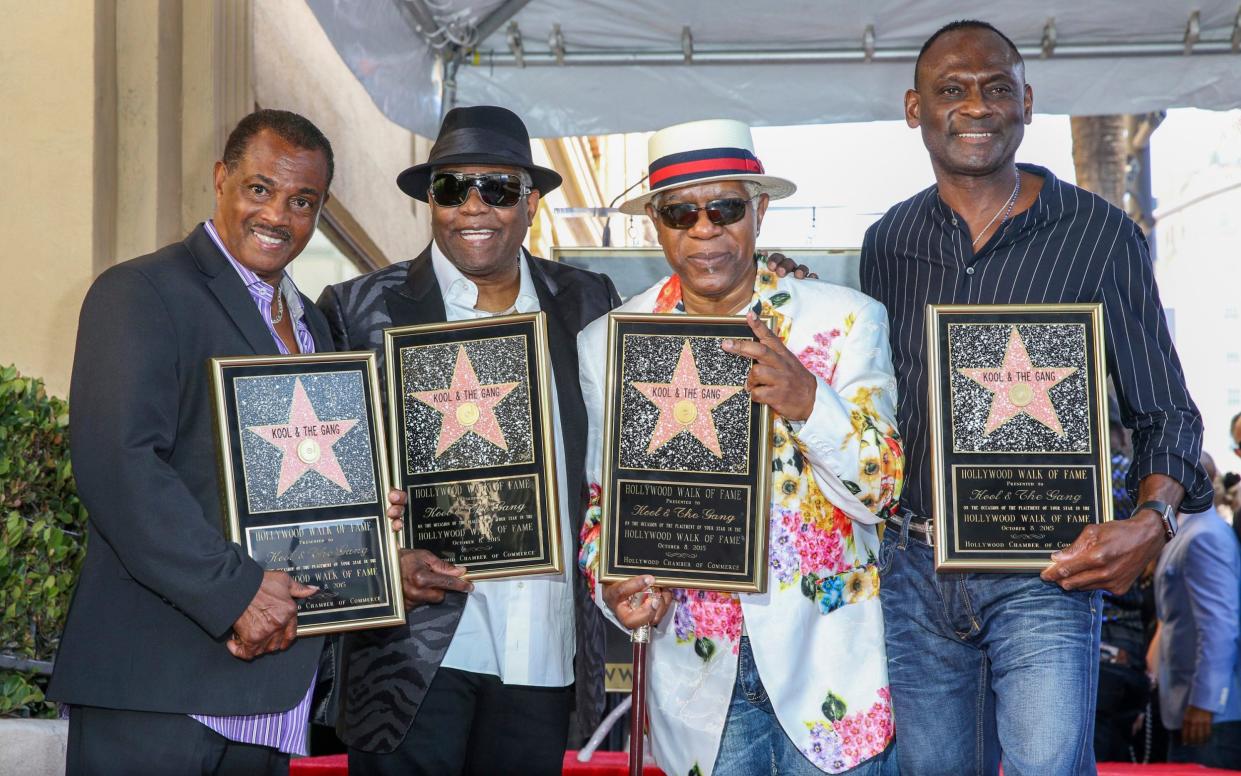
{"x": 519, "y": 629}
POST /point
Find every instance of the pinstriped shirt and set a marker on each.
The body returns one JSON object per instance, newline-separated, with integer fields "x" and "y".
{"x": 1069, "y": 246}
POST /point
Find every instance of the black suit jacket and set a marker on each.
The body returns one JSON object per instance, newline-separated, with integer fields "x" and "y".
{"x": 384, "y": 674}
{"x": 161, "y": 587}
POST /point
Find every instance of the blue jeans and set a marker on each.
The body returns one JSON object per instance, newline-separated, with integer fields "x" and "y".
{"x": 754, "y": 743}
{"x": 985, "y": 666}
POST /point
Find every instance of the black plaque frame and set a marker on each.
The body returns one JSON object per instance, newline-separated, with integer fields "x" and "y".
{"x": 434, "y": 491}
{"x": 1008, "y": 510}
{"x": 740, "y": 568}
{"x": 358, "y": 540}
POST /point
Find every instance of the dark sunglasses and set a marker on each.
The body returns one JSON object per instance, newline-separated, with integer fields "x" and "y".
{"x": 495, "y": 189}
{"x": 720, "y": 212}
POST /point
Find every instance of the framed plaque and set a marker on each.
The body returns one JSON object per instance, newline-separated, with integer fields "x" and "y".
{"x": 305, "y": 489}
{"x": 687, "y": 456}
{"x": 470, "y": 411}
{"x": 1019, "y": 445}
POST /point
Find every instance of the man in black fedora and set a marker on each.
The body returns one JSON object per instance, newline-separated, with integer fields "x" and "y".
{"x": 482, "y": 681}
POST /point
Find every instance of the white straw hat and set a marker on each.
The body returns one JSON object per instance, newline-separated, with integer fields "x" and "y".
{"x": 702, "y": 151}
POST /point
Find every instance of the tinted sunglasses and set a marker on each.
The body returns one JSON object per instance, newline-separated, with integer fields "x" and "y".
{"x": 720, "y": 212}
{"x": 495, "y": 189}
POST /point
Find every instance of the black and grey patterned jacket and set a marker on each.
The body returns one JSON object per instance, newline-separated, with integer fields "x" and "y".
{"x": 383, "y": 674}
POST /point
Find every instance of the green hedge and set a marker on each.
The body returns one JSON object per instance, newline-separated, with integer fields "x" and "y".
{"x": 44, "y": 535}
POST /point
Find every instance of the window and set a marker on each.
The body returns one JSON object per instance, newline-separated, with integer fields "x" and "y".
{"x": 320, "y": 265}
{"x": 338, "y": 250}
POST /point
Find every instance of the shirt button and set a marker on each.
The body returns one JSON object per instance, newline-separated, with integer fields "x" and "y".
{"x": 954, "y": 222}
{"x": 969, "y": 270}
{"x": 521, "y": 585}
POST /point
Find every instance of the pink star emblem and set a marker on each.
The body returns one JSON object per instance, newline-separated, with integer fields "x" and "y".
{"x": 305, "y": 442}
{"x": 1019, "y": 387}
{"x": 467, "y": 406}
{"x": 685, "y": 404}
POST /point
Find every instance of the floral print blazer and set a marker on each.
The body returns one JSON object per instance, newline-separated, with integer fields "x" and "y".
{"x": 817, "y": 633}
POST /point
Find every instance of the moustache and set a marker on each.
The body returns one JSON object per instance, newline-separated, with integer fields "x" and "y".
{"x": 273, "y": 231}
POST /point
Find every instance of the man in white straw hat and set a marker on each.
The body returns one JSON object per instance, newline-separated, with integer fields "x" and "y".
{"x": 793, "y": 680}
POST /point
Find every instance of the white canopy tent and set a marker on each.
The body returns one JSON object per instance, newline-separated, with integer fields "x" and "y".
{"x": 576, "y": 67}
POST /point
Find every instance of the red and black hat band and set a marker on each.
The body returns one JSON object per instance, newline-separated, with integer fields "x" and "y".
{"x": 689, "y": 166}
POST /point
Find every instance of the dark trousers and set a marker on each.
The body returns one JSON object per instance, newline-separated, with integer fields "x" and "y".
{"x": 1123, "y": 695}
{"x": 474, "y": 725}
{"x": 144, "y": 743}
{"x": 1222, "y": 749}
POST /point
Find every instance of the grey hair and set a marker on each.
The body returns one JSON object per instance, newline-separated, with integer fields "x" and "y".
{"x": 752, "y": 188}
{"x": 522, "y": 174}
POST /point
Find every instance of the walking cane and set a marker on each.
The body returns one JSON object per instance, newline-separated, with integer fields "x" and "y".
{"x": 637, "y": 713}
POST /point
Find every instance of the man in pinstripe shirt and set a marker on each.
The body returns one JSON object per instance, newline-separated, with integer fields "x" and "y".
{"x": 989, "y": 664}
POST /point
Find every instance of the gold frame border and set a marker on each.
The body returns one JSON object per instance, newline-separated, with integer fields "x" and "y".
{"x": 1096, "y": 357}
{"x": 762, "y": 460}
{"x": 546, "y": 431}
{"x": 388, "y": 546}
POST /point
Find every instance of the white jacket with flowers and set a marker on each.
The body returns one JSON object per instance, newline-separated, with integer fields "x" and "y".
{"x": 817, "y": 633}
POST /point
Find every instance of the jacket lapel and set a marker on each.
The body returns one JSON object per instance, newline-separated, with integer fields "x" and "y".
{"x": 418, "y": 299}
{"x": 319, "y": 329}
{"x": 231, "y": 293}
{"x": 562, "y": 310}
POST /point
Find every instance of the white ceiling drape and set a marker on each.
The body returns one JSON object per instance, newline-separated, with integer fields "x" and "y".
{"x": 767, "y": 63}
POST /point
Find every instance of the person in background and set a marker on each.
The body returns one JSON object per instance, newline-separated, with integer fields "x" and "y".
{"x": 1229, "y": 499}
{"x": 1198, "y": 599}
{"x": 1124, "y": 690}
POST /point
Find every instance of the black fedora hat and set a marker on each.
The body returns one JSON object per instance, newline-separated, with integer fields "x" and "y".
{"x": 484, "y": 134}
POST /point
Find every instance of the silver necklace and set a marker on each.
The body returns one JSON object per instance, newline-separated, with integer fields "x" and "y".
{"x": 279, "y": 308}
{"x": 1006, "y": 209}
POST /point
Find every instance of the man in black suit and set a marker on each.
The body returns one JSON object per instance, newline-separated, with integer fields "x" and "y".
{"x": 170, "y": 619}
{"x": 496, "y": 698}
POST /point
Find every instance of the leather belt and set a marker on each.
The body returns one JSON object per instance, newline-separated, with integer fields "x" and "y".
{"x": 919, "y": 530}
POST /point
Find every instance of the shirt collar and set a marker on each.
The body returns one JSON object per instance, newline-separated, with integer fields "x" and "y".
{"x": 1045, "y": 207}
{"x": 459, "y": 290}
{"x": 256, "y": 285}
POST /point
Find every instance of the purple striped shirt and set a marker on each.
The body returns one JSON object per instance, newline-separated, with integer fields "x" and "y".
{"x": 285, "y": 730}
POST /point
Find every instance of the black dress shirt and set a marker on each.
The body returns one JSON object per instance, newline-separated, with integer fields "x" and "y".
{"x": 1069, "y": 246}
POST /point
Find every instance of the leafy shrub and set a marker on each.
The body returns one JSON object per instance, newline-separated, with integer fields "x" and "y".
{"x": 44, "y": 535}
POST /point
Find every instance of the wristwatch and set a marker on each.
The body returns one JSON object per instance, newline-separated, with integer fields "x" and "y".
{"x": 1166, "y": 513}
